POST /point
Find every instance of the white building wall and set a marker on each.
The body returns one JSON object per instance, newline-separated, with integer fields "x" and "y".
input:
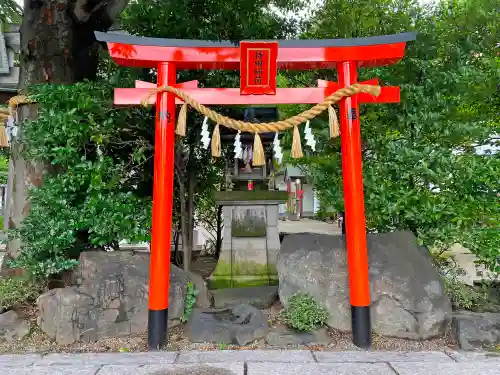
{"x": 308, "y": 200}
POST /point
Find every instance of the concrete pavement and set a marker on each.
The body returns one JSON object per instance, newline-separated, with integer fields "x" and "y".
{"x": 258, "y": 362}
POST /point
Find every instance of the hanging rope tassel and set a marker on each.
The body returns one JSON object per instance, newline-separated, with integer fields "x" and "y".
{"x": 296, "y": 145}
{"x": 258, "y": 151}
{"x": 216, "y": 142}
{"x": 4, "y": 114}
{"x": 181, "y": 121}
{"x": 4, "y": 141}
{"x": 334, "y": 122}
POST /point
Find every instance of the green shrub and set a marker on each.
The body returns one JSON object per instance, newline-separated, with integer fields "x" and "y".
{"x": 190, "y": 301}
{"x": 462, "y": 296}
{"x": 304, "y": 313}
{"x": 18, "y": 291}
{"x": 97, "y": 190}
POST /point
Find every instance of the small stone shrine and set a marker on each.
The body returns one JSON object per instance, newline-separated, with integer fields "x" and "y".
{"x": 251, "y": 211}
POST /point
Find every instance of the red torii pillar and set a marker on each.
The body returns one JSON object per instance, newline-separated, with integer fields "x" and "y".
{"x": 168, "y": 55}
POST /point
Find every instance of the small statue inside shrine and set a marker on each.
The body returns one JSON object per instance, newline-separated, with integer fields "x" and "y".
{"x": 271, "y": 181}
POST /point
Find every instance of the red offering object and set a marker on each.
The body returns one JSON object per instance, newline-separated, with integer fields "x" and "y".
{"x": 258, "y": 68}
{"x": 250, "y": 185}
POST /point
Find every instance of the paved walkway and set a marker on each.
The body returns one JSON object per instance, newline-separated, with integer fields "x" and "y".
{"x": 258, "y": 362}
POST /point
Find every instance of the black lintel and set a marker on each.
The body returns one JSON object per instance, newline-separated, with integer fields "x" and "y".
{"x": 115, "y": 37}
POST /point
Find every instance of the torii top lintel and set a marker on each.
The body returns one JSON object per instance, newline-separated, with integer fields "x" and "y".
{"x": 133, "y": 51}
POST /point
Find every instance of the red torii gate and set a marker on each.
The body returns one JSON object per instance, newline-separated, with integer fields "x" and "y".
{"x": 169, "y": 55}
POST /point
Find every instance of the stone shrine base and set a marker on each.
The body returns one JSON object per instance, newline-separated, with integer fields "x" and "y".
{"x": 251, "y": 240}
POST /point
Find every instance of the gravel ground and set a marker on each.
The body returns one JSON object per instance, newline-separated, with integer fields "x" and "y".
{"x": 37, "y": 342}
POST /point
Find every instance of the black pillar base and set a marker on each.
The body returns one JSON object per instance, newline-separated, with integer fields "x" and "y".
{"x": 361, "y": 326}
{"x": 157, "y": 329}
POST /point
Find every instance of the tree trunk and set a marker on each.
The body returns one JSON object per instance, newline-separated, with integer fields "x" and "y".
{"x": 218, "y": 241}
{"x": 177, "y": 260}
{"x": 46, "y": 44}
{"x": 186, "y": 253}
{"x": 58, "y": 45}
{"x": 190, "y": 213}
{"x": 24, "y": 176}
{"x": 183, "y": 221}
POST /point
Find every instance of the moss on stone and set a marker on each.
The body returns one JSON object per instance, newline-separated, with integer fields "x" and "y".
{"x": 242, "y": 274}
{"x": 224, "y": 283}
{"x": 219, "y": 283}
{"x": 273, "y": 280}
{"x": 250, "y": 196}
{"x": 249, "y": 283}
{"x": 245, "y": 268}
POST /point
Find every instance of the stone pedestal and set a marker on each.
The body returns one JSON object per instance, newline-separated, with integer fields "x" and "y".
{"x": 250, "y": 240}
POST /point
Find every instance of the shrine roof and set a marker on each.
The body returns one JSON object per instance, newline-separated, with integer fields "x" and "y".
{"x": 129, "y": 50}
{"x": 116, "y": 37}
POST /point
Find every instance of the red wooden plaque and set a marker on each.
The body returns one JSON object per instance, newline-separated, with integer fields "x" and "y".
{"x": 258, "y": 68}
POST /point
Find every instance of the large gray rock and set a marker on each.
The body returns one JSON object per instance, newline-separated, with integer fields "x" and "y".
{"x": 477, "y": 330}
{"x": 12, "y": 327}
{"x": 110, "y": 298}
{"x": 239, "y": 325}
{"x": 407, "y": 293}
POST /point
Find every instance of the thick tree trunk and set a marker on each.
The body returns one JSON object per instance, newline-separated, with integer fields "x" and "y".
{"x": 24, "y": 176}
{"x": 46, "y": 44}
{"x": 58, "y": 45}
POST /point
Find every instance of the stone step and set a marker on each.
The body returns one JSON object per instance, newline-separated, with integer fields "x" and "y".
{"x": 252, "y": 362}
{"x": 261, "y": 297}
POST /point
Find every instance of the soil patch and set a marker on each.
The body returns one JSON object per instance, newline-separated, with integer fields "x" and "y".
{"x": 38, "y": 342}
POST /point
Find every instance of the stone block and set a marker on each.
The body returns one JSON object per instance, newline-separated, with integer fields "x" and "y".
{"x": 376, "y": 356}
{"x": 240, "y": 325}
{"x": 13, "y": 360}
{"x": 100, "y": 359}
{"x": 227, "y": 213}
{"x": 273, "y": 238}
{"x": 178, "y": 369}
{"x": 437, "y": 368}
{"x": 242, "y": 245}
{"x": 50, "y": 370}
{"x": 272, "y": 212}
{"x": 285, "y": 356}
{"x": 461, "y": 356}
{"x": 248, "y": 221}
{"x": 319, "y": 369}
{"x": 249, "y": 253}
{"x": 13, "y": 327}
{"x": 283, "y": 337}
{"x": 477, "y": 330}
{"x": 261, "y": 297}
{"x": 226, "y": 240}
